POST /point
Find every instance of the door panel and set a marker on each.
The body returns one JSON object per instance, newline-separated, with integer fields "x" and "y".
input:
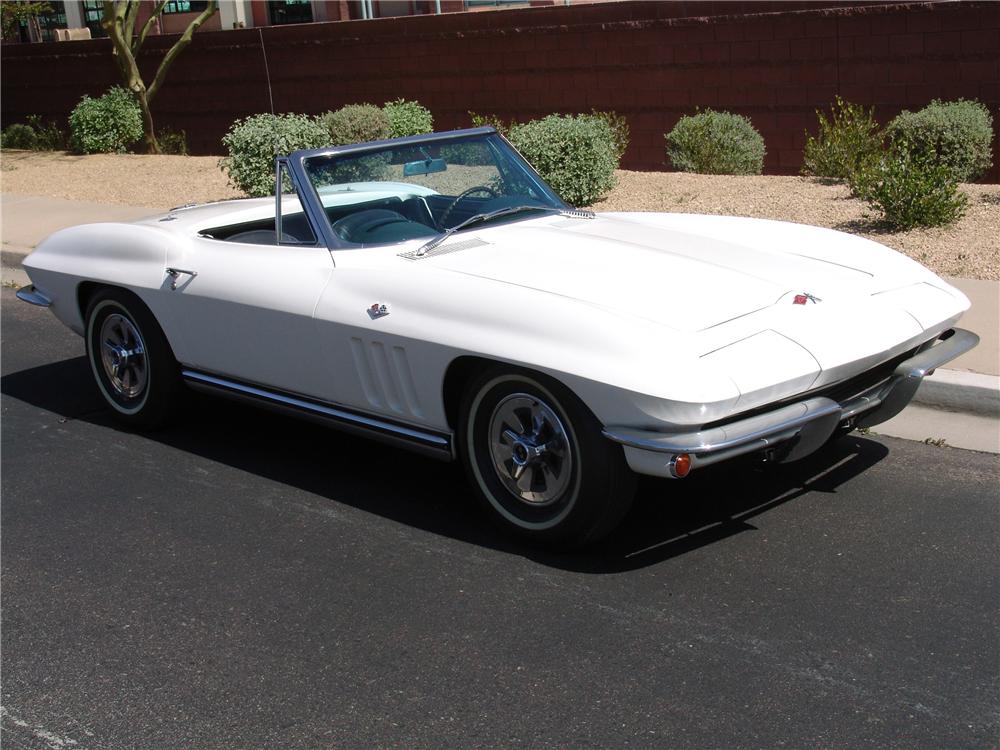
{"x": 248, "y": 313}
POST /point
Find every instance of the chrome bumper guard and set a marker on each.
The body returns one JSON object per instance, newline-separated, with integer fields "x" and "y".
{"x": 809, "y": 423}
{"x": 32, "y": 296}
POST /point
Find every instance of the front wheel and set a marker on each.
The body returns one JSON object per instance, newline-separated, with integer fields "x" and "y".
{"x": 131, "y": 359}
{"x": 537, "y": 458}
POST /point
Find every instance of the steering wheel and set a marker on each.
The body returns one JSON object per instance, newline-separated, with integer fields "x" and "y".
{"x": 465, "y": 194}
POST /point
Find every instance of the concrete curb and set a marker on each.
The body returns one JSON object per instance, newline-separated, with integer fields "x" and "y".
{"x": 968, "y": 392}
{"x": 13, "y": 255}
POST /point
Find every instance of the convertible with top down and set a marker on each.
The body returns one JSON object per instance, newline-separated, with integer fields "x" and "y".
{"x": 432, "y": 292}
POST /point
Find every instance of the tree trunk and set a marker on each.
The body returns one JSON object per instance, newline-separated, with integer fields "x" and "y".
{"x": 118, "y": 20}
{"x": 152, "y": 145}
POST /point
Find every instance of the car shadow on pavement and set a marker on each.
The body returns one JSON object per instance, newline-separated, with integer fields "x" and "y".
{"x": 668, "y": 519}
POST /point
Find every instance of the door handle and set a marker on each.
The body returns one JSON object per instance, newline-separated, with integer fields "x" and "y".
{"x": 173, "y": 273}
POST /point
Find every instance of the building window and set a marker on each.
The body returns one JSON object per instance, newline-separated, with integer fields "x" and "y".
{"x": 290, "y": 11}
{"x": 93, "y": 12}
{"x": 185, "y": 6}
{"x": 47, "y": 23}
{"x": 477, "y": 4}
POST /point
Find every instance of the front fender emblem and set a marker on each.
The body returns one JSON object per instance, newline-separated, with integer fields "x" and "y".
{"x": 378, "y": 310}
{"x": 801, "y": 299}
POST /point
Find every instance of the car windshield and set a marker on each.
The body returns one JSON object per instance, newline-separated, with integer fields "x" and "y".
{"x": 408, "y": 190}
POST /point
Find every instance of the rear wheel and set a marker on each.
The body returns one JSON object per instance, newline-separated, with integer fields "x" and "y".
{"x": 131, "y": 359}
{"x": 536, "y": 456}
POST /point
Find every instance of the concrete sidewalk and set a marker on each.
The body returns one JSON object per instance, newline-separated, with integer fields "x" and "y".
{"x": 970, "y": 385}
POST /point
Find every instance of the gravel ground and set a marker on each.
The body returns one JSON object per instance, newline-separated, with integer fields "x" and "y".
{"x": 970, "y": 248}
{"x": 130, "y": 179}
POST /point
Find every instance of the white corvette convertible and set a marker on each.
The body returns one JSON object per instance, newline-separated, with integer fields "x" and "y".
{"x": 433, "y": 292}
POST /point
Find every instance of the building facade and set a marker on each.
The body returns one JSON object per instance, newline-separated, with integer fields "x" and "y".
{"x": 69, "y": 15}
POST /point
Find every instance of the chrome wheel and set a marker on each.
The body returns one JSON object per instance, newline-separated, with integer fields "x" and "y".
{"x": 123, "y": 355}
{"x": 530, "y": 451}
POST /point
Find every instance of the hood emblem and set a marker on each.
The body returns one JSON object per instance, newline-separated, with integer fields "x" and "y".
{"x": 801, "y": 299}
{"x": 378, "y": 310}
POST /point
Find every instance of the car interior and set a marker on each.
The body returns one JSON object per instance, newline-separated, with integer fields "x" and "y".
{"x": 377, "y": 222}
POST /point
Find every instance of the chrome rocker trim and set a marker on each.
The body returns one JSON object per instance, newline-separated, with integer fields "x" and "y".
{"x": 32, "y": 296}
{"x": 434, "y": 444}
{"x": 810, "y": 422}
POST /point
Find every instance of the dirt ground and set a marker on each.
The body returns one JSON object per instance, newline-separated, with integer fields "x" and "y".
{"x": 970, "y": 248}
{"x": 129, "y": 179}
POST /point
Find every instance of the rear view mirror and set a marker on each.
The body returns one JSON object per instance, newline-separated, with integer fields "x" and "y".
{"x": 424, "y": 166}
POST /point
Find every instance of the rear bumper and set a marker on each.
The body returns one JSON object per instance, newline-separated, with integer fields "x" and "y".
{"x": 798, "y": 428}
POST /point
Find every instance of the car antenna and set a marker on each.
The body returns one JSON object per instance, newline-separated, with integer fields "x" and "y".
{"x": 267, "y": 73}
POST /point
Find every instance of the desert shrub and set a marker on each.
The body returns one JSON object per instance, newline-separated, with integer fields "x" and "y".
{"x": 364, "y": 168}
{"x": 619, "y": 130}
{"x": 173, "y": 142}
{"x": 355, "y": 123}
{"x": 50, "y": 136}
{"x": 482, "y": 121}
{"x": 575, "y": 155}
{"x": 35, "y": 135}
{"x": 713, "y": 142}
{"x": 108, "y": 124}
{"x": 958, "y": 133}
{"x": 407, "y": 118}
{"x": 19, "y": 135}
{"x": 909, "y": 187}
{"x": 254, "y": 142}
{"x": 850, "y": 137}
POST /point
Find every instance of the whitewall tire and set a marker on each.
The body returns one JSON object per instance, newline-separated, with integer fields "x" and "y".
{"x": 538, "y": 461}
{"x": 130, "y": 358}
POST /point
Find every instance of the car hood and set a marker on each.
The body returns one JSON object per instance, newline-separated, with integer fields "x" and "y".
{"x": 723, "y": 291}
{"x": 688, "y": 272}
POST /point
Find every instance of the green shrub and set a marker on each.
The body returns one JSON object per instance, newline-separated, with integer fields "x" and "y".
{"x": 845, "y": 141}
{"x": 482, "y": 121}
{"x": 909, "y": 188}
{"x": 50, "y": 136}
{"x": 254, "y": 142}
{"x": 619, "y": 130}
{"x": 365, "y": 168}
{"x": 407, "y": 118}
{"x": 959, "y": 133}
{"x": 35, "y": 135}
{"x": 19, "y": 135}
{"x": 575, "y": 155}
{"x": 355, "y": 123}
{"x": 172, "y": 142}
{"x": 715, "y": 143}
{"x": 108, "y": 124}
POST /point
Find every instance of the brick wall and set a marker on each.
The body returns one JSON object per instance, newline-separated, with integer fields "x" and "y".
{"x": 640, "y": 59}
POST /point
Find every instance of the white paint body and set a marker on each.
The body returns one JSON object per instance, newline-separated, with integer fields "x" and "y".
{"x": 656, "y": 321}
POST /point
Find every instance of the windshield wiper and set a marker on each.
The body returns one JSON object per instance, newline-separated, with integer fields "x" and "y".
{"x": 431, "y": 244}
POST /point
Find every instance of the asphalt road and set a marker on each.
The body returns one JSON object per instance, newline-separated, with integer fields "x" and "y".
{"x": 246, "y": 581}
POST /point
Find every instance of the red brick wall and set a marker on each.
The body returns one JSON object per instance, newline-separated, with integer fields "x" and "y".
{"x": 637, "y": 58}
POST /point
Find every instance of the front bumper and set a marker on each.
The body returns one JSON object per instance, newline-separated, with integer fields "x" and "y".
{"x": 32, "y": 296}
{"x": 798, "y": 428}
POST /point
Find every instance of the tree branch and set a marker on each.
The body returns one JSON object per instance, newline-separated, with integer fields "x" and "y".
{"x": 150, "y": 22}
{"x": 128, "y": 27}
{"x": 178, "y": 47}
{"x": 113, "y": 22}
